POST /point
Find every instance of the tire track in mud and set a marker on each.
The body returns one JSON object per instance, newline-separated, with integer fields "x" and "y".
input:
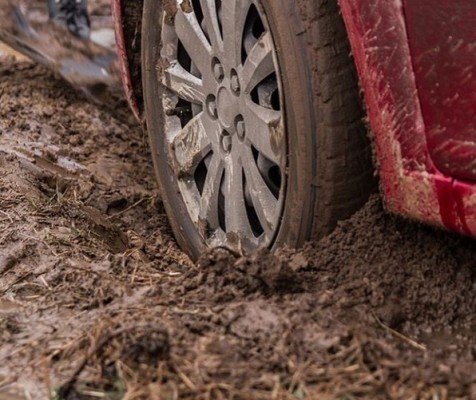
{"x": 97, "y": 300}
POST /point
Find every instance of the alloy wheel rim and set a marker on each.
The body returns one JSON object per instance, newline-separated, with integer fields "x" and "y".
{"x": 224, "y": 121}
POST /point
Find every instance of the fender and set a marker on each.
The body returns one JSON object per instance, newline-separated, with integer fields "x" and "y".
{"x": 128, "y": 26}
{"x": 411, "y": 184}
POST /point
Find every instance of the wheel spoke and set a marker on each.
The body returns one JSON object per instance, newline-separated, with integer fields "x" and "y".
{"x": 191, "y": 145}
{"x": 211, "y": 190}
{"x": 193, "y": 39}
{"x": 169, "y": 36}
{"x": 265, "y": 131}
{"x": 210, "y": 18}
{"x": 233, "y": 21}
{"x": 259, "y": 64}
{"x": 264, "y": 202}
{"x": 183, "y": 84}
{"x": 235, "y": 210}
{"x": 225, "y": 139}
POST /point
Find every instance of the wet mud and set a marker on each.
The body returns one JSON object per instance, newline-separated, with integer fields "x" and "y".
{"x": 97, "y": 300}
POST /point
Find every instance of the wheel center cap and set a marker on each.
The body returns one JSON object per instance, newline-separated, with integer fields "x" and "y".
{"x": 226, "y": 104}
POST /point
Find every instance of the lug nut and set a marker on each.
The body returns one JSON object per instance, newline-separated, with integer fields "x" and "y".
{"x": 226, "y": 142}
{"x": 240, "y": 127}
{"x": 218, "y": 71}
{"x": 212, "y": 106}
{"x": 235, "y": 82}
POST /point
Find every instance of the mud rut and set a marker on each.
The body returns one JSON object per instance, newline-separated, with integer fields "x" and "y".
{"x": 97, "y": 301}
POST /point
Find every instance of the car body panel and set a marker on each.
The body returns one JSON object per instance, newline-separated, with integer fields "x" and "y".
{"x": 411, "y": 183}
{"x": 442, "y": 39}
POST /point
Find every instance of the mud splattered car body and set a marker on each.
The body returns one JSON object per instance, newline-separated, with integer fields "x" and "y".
{"x": 416, "y": 63}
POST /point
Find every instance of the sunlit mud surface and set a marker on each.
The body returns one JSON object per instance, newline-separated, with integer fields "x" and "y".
{"x": 97, "y": 300}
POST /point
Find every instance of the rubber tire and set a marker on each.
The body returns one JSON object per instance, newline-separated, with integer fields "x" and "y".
{"x": 330, "y": 171}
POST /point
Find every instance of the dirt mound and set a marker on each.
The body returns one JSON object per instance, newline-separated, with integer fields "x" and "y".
{"x": 220, "y": 276}
{"x": 97, "y": 301}
{"x": 384, "y": 306}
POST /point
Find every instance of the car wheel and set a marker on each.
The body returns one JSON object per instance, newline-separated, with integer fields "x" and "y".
{"x": 254, "y": 119}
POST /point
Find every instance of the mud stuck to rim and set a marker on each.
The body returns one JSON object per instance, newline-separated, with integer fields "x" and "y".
{"x": 97, "y": 301}
{"x": 221, "y": 100}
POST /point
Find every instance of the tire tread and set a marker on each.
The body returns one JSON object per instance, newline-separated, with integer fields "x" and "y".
{"x": 344, "y": 168}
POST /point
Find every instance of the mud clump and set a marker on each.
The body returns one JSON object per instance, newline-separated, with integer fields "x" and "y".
{"x": 404, "y": 271}
{"x": 96, "y": 299}
{"x": 220, "y": 276}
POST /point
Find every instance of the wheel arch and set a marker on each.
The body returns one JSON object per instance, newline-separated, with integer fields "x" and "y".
{"x": 128, "y": 28}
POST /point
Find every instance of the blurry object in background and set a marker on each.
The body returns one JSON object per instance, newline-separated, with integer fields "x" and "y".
{"x": 104, "y": 37}
{"x": 8, "y": 51}
{"x": 82, "y": 62}
{"x": 73, "y": 14}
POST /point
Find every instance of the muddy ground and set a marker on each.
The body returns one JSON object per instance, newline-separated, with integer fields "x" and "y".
{"x": 98, "y": 302}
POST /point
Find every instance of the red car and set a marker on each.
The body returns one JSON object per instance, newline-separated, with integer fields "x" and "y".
{"x": 263, "y": 114}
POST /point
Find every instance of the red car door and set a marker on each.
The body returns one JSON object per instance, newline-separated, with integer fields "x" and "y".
{"x": 442, "y": 38}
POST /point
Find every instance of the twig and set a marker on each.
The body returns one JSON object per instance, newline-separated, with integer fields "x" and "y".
{"x": 7, "y": 215}
{"x": 128, "y": 208}
{"x": 186, "y": 380}
{"x": 399, "y": 335}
